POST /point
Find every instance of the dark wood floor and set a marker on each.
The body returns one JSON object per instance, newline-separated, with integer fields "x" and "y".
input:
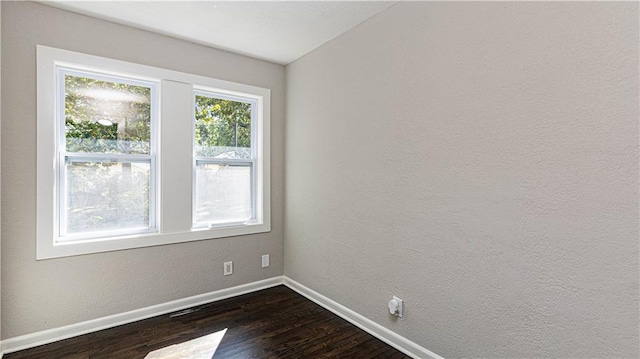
{"x": 272, "y": 323}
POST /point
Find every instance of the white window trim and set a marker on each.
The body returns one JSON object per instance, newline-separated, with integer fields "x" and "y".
{"x": 174, "y": 161}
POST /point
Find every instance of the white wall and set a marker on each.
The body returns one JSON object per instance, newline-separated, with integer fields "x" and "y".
{"x": 480, "y": 161}
{"x": 38, "y": 295}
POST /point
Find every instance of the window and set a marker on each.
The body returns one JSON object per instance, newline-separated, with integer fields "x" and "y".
{"x": 224, "y": 159}
{"x": 120, "y": 165}
{"x": 107, "y": 155}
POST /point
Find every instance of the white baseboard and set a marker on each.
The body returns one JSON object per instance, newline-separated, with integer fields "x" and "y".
{"x": 393, "y": 339}
{"x": 53, "y": 335}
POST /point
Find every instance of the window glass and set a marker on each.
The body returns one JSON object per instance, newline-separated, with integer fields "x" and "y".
{"x": 106, "y": 116}
{"x": 223, "y": 193}
{"x": 223, "y": 128}
{"x": 107, "y": 196}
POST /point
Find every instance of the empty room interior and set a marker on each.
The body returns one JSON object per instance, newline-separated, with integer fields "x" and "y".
{"x": 230, "y": 179}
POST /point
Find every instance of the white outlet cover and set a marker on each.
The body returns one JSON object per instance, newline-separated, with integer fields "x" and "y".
{"x": 228, "y": 268}
{"x": 395, "y": 306}
{"x": 265, "y": 260}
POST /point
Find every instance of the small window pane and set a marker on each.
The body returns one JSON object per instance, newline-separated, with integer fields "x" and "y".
{"x": 223, "y": 128}
{"x": 106, "y": 116}
{"x": 107, "y": 196}
{"x": 223, "y": 193}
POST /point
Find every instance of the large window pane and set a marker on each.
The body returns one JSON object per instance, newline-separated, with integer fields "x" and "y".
{"x": 107, "y": 196}
{"x": 223, "y": 128}
{"x": 223, "y": 193}
{"x": 106, "y": 116}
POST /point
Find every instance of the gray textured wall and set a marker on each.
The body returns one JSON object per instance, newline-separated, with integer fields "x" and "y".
{"x": 48, "y": 294}
{"x": 480, "y": 161}
{"x": 0, "y": 167}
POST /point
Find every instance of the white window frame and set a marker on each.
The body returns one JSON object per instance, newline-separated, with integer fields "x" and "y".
{"x": 174, "y": 159}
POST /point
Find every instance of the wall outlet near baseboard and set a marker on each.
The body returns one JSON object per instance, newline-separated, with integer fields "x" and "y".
{"x": 228, "y": 268}
{"x": 395, "y": 306}
{"x": 265, "y": 260}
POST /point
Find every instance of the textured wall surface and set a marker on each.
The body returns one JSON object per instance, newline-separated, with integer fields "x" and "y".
{"x": 39, "y": 295}
{"x": 0, "y": 167}
{"x": 480, "y": 161}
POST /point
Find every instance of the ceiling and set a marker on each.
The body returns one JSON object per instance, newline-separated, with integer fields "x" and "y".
{"x": 277, "y": 31}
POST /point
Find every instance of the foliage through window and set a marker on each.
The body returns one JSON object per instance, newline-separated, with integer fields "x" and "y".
{"x": 223, "y": 127}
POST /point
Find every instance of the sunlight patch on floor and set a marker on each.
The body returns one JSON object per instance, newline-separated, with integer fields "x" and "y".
{"x": 199, "y": 348}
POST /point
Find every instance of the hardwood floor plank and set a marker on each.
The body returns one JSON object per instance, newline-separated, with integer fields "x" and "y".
{"x": 272, "y": 323}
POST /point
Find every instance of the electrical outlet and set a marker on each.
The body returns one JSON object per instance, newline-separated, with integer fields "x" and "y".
{"x": 265, "y": 260}
{"x": 396, "y": 306}
{"x": 228, "y": 268}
